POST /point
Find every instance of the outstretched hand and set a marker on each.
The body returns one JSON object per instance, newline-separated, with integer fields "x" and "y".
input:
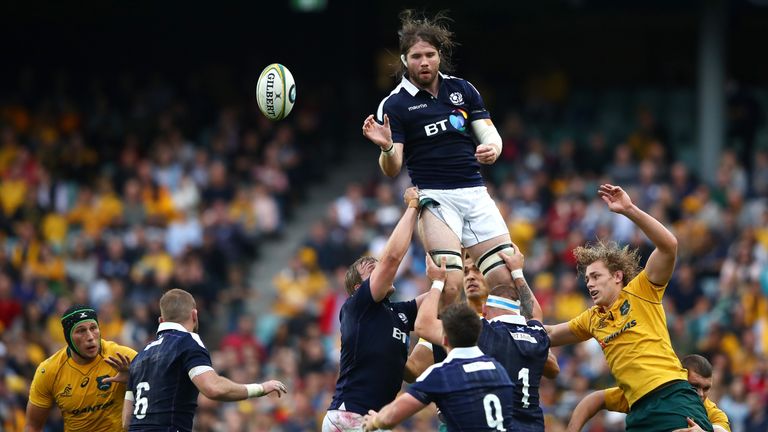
{"x": 617, "y": 198}
{"x": 274, "y": 386}
{"x": 379, "y": 134}
{"x": 122, "y": 364}
{"x": 435, "y": 273}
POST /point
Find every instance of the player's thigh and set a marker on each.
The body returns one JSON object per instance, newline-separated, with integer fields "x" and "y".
{"x": 440, "y": 227}
{"x": 440, "y": 241}
{"x": 485, "y": 255}
{"x": 342, "y": 421}
{"x": 482, "y": 219}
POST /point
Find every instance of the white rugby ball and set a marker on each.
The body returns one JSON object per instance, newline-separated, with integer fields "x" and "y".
{"x": 276, "y": 91}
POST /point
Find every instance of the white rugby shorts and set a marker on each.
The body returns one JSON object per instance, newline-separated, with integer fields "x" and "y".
{"x": 343, "y": 421}
{"x": 470, "y": 213}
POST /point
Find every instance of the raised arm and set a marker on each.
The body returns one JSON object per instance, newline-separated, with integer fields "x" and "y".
{"x": 383, "y": 275}
{"x": 586, "y": 409}
{"x": 216, "y": 387}
{"x": 391, "y": 157}
{"x": 427, "y": 325}
{"x": 661, "y": 263}
{"x": 561, "y": 334}
{"x": 420, "y": 359}
{"x": 529, "y": 306}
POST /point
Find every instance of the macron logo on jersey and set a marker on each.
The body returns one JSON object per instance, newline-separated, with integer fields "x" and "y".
{"x": 415, "y": 107}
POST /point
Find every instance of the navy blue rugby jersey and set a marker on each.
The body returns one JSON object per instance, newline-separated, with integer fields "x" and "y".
{"x": 439, "y": 150}
{"x": 374, "y": 348}
{"x": 160, "y": 380}
{"x": 472, "y": 391}
{"x": 522, "y": 348}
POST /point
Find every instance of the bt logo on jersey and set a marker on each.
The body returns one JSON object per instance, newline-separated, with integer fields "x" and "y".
{"x": 398, "y": 334}
{"x": 458, "y": 120}
{"x": 434, "y": 128}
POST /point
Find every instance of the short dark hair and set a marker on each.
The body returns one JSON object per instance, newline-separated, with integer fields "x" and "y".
{"x": 417, "y": 27}
{"x": 352, "y": 277}
{"x": 698, "y": 364}
{"x": 461, "y": 325}
{"x": 506, "y": 291}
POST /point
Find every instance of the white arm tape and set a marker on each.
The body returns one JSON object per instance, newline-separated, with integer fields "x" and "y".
{"x": 129, "y": 396}
{"x": 254, "y": 390}
{"x": 517, "y": 274}
{"x": 486, "y": 133}
{"x": 197, "y": 370}
{"x": 425, "y": 343}
{"x": 438, "y": 284}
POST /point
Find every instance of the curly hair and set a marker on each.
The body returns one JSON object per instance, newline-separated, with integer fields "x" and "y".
{"x": 417, "y": 27}
{"x": 615, "y": 258}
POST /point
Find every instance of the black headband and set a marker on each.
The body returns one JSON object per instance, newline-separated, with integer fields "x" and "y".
{"x": 72, "y": 318}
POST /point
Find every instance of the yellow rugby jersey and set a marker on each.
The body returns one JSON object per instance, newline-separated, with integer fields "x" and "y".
{"x": 634, "y": 337}
{"x": 615, "y": 401}
{"x": 86, "y": 403}
{"x": 716, "y": 415}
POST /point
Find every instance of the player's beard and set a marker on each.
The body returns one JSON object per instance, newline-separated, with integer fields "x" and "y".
{"x": 423, "y": 80}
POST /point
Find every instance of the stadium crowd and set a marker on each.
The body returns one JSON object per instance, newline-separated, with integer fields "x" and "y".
{"x": 112, "y": 198}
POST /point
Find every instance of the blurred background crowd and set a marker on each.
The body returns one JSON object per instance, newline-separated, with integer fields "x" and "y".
{"x": 114, "y": 188}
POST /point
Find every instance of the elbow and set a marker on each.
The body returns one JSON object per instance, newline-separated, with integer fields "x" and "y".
{"x": 419, "y": 327}
{"x": 391, "y": 259}
{"x": 211, "y": 391}
{"x": 673, "y": 244}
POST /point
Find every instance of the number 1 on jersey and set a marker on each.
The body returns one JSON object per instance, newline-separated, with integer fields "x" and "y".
{"x": 523, "y": 375}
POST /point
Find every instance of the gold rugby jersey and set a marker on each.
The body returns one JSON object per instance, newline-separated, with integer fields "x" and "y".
{"x": 634, "y": 337}
{"x": 86, "y": 403}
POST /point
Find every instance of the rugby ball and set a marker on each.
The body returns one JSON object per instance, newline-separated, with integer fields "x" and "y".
{"x": 275, "y": 92}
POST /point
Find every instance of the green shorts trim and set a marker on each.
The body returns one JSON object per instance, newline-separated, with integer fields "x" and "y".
{"x": 665, "y": 409}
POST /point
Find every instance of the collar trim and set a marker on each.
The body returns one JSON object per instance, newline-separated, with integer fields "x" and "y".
{"x": 510, "y": 319}
{"x": 464, "y": 353}
{"x": 411, "y": 87}
{"x": 171, "y": 326}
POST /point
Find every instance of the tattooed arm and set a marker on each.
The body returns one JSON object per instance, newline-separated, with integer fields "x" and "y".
{"x": 529, "y": 306}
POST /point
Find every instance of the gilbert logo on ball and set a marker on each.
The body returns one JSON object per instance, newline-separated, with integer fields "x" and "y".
{"x": 276, "y": 92}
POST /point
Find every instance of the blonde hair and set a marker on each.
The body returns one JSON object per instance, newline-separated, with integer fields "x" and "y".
{"x": 176, "y": 305}
{"x": 353, "y": 277}
{"x": 612, "y": 255}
